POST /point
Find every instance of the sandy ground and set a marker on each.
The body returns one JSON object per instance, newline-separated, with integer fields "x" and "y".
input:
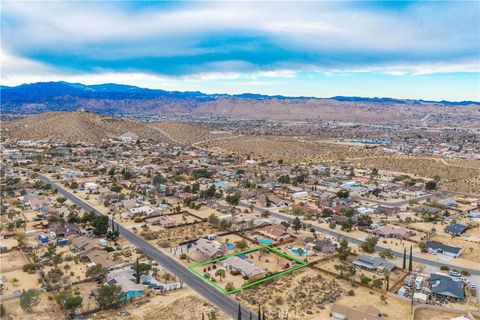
{"x": 24, "y": 281}
{"x": 177, "y": 305}
{"x": 428, "y": 314}
{"x": 46, "y": 310}
{"x": 471, "y": 250}
{"x": 290, "y": 295}
{"x": 268, "y": 261}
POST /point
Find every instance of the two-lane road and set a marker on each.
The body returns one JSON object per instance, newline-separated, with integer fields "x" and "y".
{"x": 225, "y": 303}
{"x": 350, "y": 239}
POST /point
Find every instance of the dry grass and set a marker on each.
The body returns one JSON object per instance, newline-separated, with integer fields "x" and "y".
{"x": 78, "y": 127}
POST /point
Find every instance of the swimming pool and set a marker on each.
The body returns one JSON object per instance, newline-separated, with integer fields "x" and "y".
{"x": 230, "y": 246}
{"x": 295, "y": 251}
{"x": 265, "y": 241}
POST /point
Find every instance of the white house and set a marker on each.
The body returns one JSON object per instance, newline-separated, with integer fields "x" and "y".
{"x": 141, "y": 210}
{"x": 91, "y": 186}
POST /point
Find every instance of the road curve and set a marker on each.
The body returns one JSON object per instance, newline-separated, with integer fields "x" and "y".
{"x": 222, "y": 301}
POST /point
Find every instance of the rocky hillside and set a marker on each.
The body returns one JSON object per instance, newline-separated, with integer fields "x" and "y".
{"x": 79, "y": 126}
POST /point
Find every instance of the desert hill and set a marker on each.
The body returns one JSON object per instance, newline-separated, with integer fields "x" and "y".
{"x": 122, "y": 99}
{"x": 79, "y": 126}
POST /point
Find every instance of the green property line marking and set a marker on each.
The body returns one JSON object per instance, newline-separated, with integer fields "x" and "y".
{"x": 302, "y": 264}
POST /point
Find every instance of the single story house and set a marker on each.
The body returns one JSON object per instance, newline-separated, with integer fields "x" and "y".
{"x": 246, "y": 268}
{"x": 101, "y": 257}
{"x": 448, "y": 203}
{"x": 387, "y": 211}
{"x": 456, "y": 229}
{"x": 325, "y": 246}
{"x": 444, "y": 286}
{"x": 390, "y": 232}
{"x": 435, "y": 247}
{"x": 65, "y": 230}
{"x": 124, "y": 278}
{"x": 165, "y": 221}
{"x": 141, "y": 210}
{"x": 205, "y": 249}
{"x": 373, "y": 263}
{"x": 275, "y": 232}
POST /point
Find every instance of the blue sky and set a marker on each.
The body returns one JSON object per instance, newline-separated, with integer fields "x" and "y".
{"x": 414, "y": 49}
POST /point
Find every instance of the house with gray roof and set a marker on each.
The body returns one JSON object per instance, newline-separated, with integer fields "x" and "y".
{"x": 373, "y": 263}
{"x": 456, "y": 229}
{"x": 246, "y": 268}
{"x": 435, "y": 247}
{"x": 205, "y": 249}
{"x": 444, "y": 286}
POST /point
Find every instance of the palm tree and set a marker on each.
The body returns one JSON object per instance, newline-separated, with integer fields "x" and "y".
{"x": 220, "y": 273}
{"x": 300, "y": 251}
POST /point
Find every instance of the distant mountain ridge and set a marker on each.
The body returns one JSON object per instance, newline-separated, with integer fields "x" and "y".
{"x": 119, "y": 99}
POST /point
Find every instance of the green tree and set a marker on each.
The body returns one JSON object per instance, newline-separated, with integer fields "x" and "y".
{"x": 284, "y": 179}
{"x": 220, "y": 273}
{"x": 404, "y": 259}
{"x": 141, "y": 269}
{"x": 296, "y": 224}
{"x": 96, "y": 270}
{"x": 61, "y": 199}
{"x": 430, "y": 185}
{"x": 343, "y": 249}
{"x": 369, "y": 244}
{"x": 116, "y": 188}
{"x": 377, "y": 283}
{"x": 233, "y": 199}
{"x": 100, "y": 225}
{"x": 241, "y": 245}
{"x": 28, "y": 300}
{"x": 3, "y": 311}
{"x": 108, "y": 296}
{"x": 343, "y": 193}
{"x": 365, "y": 280}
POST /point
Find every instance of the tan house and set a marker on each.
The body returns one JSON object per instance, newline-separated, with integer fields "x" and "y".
{"x": 101, "y": 257}
{"x": 389, "y": 232}
{"x": 275, "y": 232}
{"x": 83, "y": 244}
{"x": 165, "y": 221}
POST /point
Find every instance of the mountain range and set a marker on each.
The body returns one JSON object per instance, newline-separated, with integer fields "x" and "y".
{"x": 114, "y": 99}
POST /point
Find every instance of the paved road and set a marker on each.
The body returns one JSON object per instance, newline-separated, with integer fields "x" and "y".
{"x": 225, "y": 303}
{"x": 358, "y": 241}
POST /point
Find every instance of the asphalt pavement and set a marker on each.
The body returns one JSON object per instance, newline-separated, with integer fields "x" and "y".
{"x": 221, "y": 300}
{"x": 353, "y": 240}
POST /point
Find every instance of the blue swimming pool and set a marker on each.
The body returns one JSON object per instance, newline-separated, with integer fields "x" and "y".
{"x": 295, "y": 251}
{"x": 265, "y": 241}
{"x": 230, "y": 246}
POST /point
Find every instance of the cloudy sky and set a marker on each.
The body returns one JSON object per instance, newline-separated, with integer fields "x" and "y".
{"x": 424, "y": 49}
